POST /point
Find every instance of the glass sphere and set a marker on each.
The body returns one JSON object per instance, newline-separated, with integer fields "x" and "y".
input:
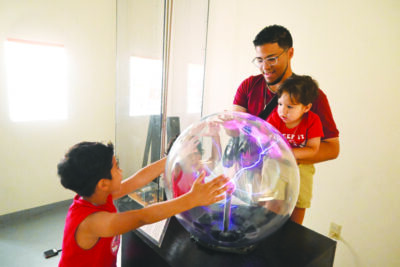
{"x": 261, "y": 168}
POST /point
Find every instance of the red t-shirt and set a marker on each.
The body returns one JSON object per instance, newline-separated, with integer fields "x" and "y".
{"x": 309, "y": 127}
{"x": 182, "y": 183}
{"x": 104, "y": 253}
{"x": 250, "y": 95}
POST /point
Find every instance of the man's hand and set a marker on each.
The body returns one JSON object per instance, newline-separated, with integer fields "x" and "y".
{"x": 238, "y": 108}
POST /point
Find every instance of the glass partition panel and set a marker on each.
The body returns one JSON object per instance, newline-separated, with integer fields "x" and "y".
{"x": 160, "y": 73}
{"x": 187, "y": 59}
{"x": 139, "y": 82}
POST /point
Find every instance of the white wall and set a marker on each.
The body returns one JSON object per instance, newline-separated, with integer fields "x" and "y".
{"x": 352, "y": 48}
{"x": 30, "y": 151}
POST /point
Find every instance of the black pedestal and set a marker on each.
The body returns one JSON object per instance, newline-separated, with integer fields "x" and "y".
{"x": 291, "y": 245}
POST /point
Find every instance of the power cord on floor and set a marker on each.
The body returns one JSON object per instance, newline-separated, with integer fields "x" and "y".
{"x": 51, "y": 253}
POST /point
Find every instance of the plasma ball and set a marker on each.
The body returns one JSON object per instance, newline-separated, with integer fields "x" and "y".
{"x": 263, "y": 174}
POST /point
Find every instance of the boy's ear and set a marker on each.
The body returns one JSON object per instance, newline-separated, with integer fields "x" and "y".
{"x": 103, "y": 184}
{"x": 307, "y": 108}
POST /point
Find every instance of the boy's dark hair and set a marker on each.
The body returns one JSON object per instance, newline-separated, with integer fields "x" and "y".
{"x": 84, "y": 165}
{"x": 301, "y": 89}
{"x": 274, "y": 34}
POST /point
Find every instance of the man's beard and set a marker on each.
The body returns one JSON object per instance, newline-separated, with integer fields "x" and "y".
{"x": 278, "y": 80}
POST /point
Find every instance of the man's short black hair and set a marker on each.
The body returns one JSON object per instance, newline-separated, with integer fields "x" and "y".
{"x": 84, "y": 165}
{"x": 274, "y": 34}
{"x": 302, "y": 89}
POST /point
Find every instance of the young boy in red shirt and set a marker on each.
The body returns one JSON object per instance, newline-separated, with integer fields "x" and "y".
{"x": 93, "y": 225}
{"x": 302, "y": 129}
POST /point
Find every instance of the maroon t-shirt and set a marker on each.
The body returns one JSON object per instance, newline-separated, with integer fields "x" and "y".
{"x": 251, "y": 92}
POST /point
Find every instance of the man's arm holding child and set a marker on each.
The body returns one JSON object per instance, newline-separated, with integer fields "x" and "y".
{"x": 309, "y": 150}
{"x": 328, "y": 150}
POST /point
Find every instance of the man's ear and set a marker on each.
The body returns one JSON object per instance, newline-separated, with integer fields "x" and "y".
{"x": 307, "y": 108}
{"x": 104, "y": 184}
{"x": 290, "y": 52}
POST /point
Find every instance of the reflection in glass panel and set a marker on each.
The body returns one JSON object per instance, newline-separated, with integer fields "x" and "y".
{"x": 139, "y": 57}
{"x": 195, "y": 78}
{"x": 145, "y": 76}
{"x": 188, "y": 46}
{"x": 140, "y": 92}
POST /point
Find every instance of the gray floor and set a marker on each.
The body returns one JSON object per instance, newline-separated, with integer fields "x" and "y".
{"x": 24, "y": 236}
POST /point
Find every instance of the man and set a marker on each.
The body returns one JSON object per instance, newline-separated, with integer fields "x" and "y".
{"x": 274, "y": 52}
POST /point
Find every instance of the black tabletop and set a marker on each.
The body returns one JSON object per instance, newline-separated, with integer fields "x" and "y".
{"x": 291, "y": 245}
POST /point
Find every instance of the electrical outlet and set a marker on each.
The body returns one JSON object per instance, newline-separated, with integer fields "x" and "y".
{"x": 334, "y": 231}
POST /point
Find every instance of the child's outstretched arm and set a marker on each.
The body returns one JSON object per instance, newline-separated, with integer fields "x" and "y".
{"x": 141, "y": 178}
{"x": 309, "y": 150}
{"x": 105, "y": 224}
